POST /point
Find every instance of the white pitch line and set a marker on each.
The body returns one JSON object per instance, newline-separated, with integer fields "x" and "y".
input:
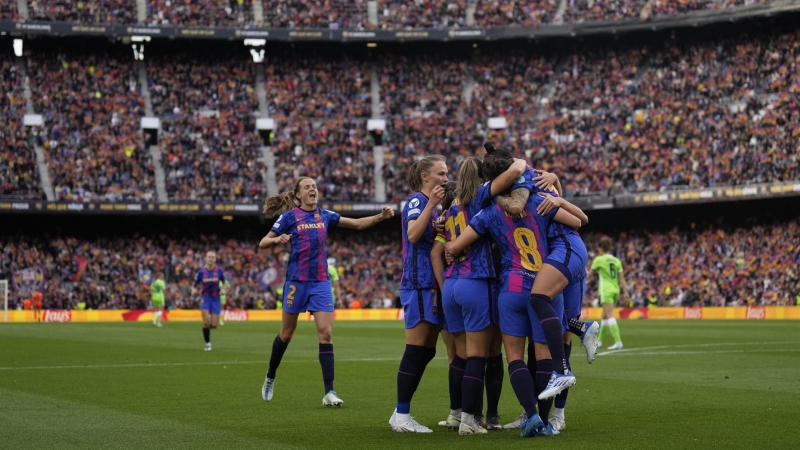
{"x": 662, "y": 347}
{"x": 701, "y": 352}
{"x": 208, "y": 363}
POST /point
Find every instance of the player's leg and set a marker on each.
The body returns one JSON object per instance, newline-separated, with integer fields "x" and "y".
{"x": 558, "y": 420}
{"x": 222, "y": 302}
{"x": 494, "y": 380}
{"x": 541, "y": 333}
{"x": 552, "y": 278}
{"x": 206, "y": 314}
{"x": 476, "y": 300}
{"x": 474, "y": 378}
{"x": 515, "y": 325}
{"x": 295, "y": 302}
{"x": 422, "y": 328}
{"x": 213, "y": 311}
{"x": 542, "y": 380}
{"x": 454, "y": 332}
{"x": 320, "y": 303}
{"x": 612, "y": 323}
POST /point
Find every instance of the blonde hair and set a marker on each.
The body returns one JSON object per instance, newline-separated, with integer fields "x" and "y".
{"x": 604, "y": 244}
{"x": 470, "y": 177}
{"x": 285, "y": 201}
{"x": 424, "y": 165}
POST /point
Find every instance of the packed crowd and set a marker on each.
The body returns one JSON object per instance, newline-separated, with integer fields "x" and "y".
{"x": 92, "y": 106}
{"x": 19, "y": 175}
{"x": 85, "y": 11}
{"x": 694, "y": 266}
{"x": 335, "y": 14}
{"x": 353, "y": 14}
{"x": 633, "y": 119}
{"x": 713, "y": 266}
{"x": 198, "y": 13}
{"x": 112, "y": 273}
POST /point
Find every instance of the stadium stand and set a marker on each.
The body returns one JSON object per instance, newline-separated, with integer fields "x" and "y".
{"x": 87, "y": 11}
{"x": 709, "y": 265}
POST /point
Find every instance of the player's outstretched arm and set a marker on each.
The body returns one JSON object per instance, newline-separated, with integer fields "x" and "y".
{"x": 366, "y": 222}
{"x": 551, "y": 202}
{"x": 273, "y": 238}
{"x": 467, "y": 238}
{"x": 507, "y": 179}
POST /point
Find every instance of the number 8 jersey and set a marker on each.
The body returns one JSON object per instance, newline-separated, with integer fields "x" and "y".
{"x": 522, "y": 242}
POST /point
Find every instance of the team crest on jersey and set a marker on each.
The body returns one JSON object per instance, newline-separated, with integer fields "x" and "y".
{"x": 317, "y": 216}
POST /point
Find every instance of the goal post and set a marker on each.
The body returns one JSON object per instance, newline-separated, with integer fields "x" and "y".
{"x": 4, "y": 293}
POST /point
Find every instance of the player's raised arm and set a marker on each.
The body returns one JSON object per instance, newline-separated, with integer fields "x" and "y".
{"x": 366, "y": 222}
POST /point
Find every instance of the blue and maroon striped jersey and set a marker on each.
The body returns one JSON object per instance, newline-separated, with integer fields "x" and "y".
{"x": 476, "y": 262}
{"x": 210, "y": 280}
{"x": 309, "y": 240}
{"x": 522, "y": 242}
{"x": 417, "y": 267}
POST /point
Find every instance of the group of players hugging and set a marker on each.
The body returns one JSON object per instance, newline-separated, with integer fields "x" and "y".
{"x": 502, "y": 265}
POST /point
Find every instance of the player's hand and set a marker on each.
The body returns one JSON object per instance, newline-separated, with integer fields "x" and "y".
{"x": 548, "y": 204}
{"x": 439, "y": 225}
{"x": 437, "y": 194}
{"x": 387, "y": 213}
{"x": 545, "y": 180}
{"x": 283, "y": 239}
{"x": 448, "y": 258}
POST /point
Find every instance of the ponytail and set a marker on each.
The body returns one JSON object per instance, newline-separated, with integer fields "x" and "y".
{"x": 285, "y": 201}
{"x": 470, "y": 177}
{"x": 414, "y": 179}
{"x": 496, "y": 161}
{"x": 449, "y": 195}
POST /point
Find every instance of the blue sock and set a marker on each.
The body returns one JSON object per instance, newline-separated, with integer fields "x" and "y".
{"x": 544, "y": 370}
{"x": 561, "y": 399}
{"x": 551, "y": 325}
{"x": 427, "y": 355}
{"x": 278, "y": 349}
{"x": 455, "y": 379}
{"x": 407, "y": 377}
{"x": 494, "y": 383}
{"x": 326, "y": 361}
{"x": 522, "y": 383}
{"x": 472, "y": 386}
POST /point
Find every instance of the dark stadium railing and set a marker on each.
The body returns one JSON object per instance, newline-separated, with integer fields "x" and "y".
{"x": 619, "y": 201}
{"x": 691, "y": 19}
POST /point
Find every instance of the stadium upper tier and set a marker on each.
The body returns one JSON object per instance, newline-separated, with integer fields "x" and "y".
{"x": 698, "y": 265}
{"x": 632, "y": 118}
{"x": 354, "y": 14}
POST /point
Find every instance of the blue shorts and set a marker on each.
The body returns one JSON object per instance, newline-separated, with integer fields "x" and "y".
{"x": 568, "y": 255}
{"x": 518, "y": 319}
{"x": 211, "y": 304}
{"x": 421, "y": 305}
{"x": 302, "y": 296}
{"x": 469, "y": 304}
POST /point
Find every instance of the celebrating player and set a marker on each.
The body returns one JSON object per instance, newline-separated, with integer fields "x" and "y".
{"x": 611, "y": 279}
{"x": 469, "y": 295}
{"x": 418, "y": 288}
{"x": 521, "y": 241}
{"x": 157, "y": 297}
{"x": 209, "y": 276}
{"x": 304, "y": 226}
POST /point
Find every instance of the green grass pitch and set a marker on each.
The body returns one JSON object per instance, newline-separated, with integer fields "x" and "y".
{"x": 705, "y": 384}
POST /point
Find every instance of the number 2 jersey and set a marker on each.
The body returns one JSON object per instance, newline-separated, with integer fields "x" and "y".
{"x": 522, "y": 242}
{"x": 417, "y": 267}
{"x": 308, "y": 260}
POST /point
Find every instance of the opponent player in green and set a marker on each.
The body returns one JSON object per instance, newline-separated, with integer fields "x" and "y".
{"x": 157, "y": 297}
{"x": 334, "y": 275}
{"x": 611, "y": 279}
{"x": 224, "y": 287}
